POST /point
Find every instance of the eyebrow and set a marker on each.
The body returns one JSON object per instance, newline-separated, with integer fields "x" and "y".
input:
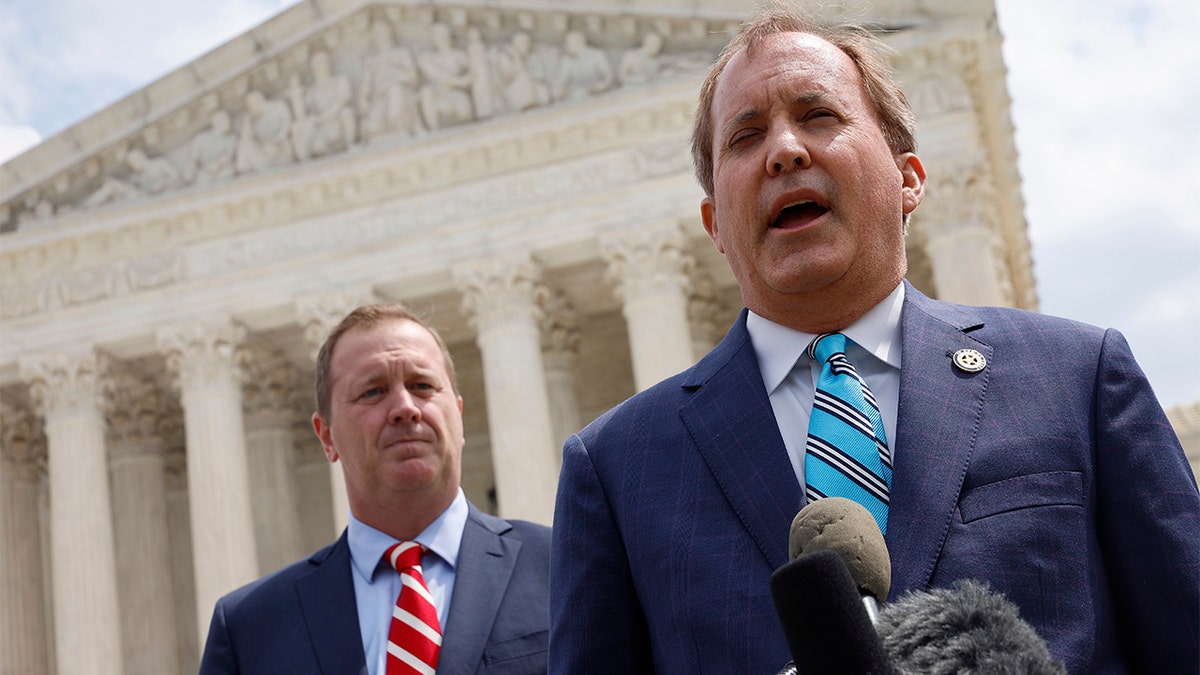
{"x": 806, "y": 99}
{"x": 739, "y": 120}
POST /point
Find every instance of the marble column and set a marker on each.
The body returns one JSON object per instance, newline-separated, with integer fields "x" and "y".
{"x": 707, "y": 318}
{"x": 137, "y": 415}
{"x": 649, "y": 268}
{"x": 182, "y": 568}
{"x": 267, "y": 395}
{"x": 560, "y": 354}
{"x": 204, "y": 357}
{"x": 315, "y": 499}
{"x": 65, "y": 388}
{"x": 503, "y": 298}
{"x": 319, "y": 314}
{"x": 960, "y": 238}
{"x": 23, "y": 621}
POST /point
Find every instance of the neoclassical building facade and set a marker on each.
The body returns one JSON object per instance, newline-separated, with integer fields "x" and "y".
{"x": 516, "y": 171}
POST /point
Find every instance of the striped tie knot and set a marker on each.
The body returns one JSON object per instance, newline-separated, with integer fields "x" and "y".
{"x": 847, "y": 453}
{"x": 405, "y": 555}
{"x": 415, "y": 636}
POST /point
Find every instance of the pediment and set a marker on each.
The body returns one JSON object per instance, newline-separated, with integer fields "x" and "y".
{"x": 307, "y": 86}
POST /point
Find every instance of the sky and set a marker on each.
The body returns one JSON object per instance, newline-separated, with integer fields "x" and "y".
{"x": 1105, "y": 102}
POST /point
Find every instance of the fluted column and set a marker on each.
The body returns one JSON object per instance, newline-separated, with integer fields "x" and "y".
{"x": 315, "y": 507}
{"x": 319, "y": 314}
{"x": 706, "y": 317}
{"x": 65, "y": 388}
{"x": 204, "y": 358}
{"x": 137, "y": 414}
{"x": 649, "y": 267}
{"x": 183, "y": 568}
{"x": 560, "y": 354}
{"x": 960, "y": 237}
{"x": 503, "y": 297}
{"x": 23, "y": 638}
{"x": 267, "y": 394}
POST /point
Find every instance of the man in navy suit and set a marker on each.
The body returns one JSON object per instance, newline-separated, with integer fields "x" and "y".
{"x": 389, "y": 409}
{"x": 1028, "y": 452}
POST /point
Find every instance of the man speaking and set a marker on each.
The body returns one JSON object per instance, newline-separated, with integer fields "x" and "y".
{"x": 1021, "y": 450}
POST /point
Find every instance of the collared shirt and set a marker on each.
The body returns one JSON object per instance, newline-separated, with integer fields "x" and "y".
{"x": 790, "y": 376}
{"x": 377, "y": 583}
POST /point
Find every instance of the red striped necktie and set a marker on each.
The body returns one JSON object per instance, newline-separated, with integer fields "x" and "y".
{"x": 415, "y": 638}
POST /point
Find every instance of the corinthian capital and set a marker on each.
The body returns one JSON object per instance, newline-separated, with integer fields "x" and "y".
{"x": 22, "y": 443}
{"x": 501, "y": 290}
{"x": 65, "y": 382}
{"x": 203, "y": 353}
{"x": 136, "y": 410}
{"x": 647, "y": 259}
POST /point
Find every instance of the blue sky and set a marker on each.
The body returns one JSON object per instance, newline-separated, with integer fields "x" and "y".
{"x": 1106, "y": 105}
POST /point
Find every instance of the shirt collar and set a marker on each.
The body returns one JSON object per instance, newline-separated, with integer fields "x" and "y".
{"x": 443, "y": 537}
{"x": 779, "y": 348}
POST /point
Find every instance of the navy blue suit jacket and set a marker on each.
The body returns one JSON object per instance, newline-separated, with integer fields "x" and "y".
{"x": 1052, "y": 475}
{"x": 303, "y": 618}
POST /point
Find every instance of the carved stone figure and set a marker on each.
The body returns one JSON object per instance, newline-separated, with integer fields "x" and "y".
{"x": 149, "y": 176}
{"x": 265, "y": 139}
{"x": 524, "y": 82}
{"x": 213, "y": 150}
{"x": 387, "y": 93}
{"x": 444, "y": 98}
{"x": 325, "y": 120}
{"x": 584, "y": 70}
{"x": 485, "y": 94}
{"x": 641, "y": 64}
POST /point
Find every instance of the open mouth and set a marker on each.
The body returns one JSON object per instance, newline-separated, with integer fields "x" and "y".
{"x": 799, "y": 214}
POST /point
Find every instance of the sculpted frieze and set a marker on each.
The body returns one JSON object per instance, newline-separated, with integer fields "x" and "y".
{"x": 383, "y": 76}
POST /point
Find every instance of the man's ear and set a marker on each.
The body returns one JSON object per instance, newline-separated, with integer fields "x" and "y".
{"x": 323, "y": 434}
{"x": 912, "y": 174}
{"x": 708, "y": 214}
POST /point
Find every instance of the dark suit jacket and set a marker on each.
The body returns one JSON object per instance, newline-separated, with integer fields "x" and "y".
{"x": 1052, "y": 475}
{"x": 303, "y": 618}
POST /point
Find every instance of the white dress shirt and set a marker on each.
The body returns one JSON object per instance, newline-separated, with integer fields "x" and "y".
{"x": 377, "y": 583}
{"x": 790, "y": 376}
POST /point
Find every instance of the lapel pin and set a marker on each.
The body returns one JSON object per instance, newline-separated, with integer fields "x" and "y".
{"x": 969, "y": 360}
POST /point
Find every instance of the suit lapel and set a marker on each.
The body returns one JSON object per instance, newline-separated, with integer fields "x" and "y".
{"x": 330, "y": 613}
{"x": 485, "y": 564}
{"x": 731, "y": 422}
{"x": 939, "y": 413}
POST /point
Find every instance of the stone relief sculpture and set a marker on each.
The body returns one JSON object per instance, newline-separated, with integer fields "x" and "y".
{"x": 641, "y": 64}
{"x": 213, "y": 151}
{"x": 387, "y": 92}
{"x": 485, "y": 94}
{"x": 397, "y": 91}
{"x": 584, "y": 70}
{"x": 266, "y": 135}
{"x": 522, "y": 75}
{"x": 324, "y": 115}
{"x": 150, "y": 176}
{"x": 444, "y": 97}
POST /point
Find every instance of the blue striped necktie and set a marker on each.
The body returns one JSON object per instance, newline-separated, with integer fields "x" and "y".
{"x": 847, "y": 452}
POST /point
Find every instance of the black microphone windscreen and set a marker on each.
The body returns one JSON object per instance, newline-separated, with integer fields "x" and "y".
{"x": 825, "y": 625}
{"x": 967, "y": 629}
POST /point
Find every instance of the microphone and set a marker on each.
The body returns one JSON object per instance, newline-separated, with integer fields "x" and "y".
{"x": 838, "y": 558}
{"x": 964, "y": 629}
{"x": 847, "y": 528}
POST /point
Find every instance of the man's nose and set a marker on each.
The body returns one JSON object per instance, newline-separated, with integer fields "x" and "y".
{"x": 403, "y": 407}
{"x": 786, "y": 151}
